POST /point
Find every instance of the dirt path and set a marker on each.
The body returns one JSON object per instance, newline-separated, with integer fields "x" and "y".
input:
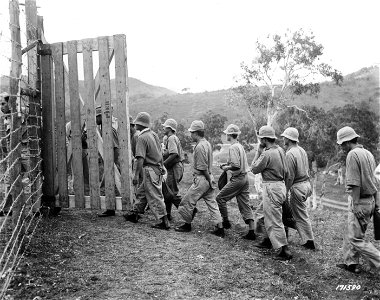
{"x": 80, "y": 256}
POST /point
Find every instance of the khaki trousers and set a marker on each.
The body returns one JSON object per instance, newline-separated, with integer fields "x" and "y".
{"x": 354, "y": 243}
{"x": 199, "y": 189}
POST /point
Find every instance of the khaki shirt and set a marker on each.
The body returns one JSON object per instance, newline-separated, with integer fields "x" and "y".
{"x": 202, "y": 156}
{"x": 271, "y": 164}
{"x": 360, "y": 167}
{"x": 173, "y": 146}
{"x": 298, "y": 165}
{"x": 238, "y": 158}
{"x": 149, "y": 148}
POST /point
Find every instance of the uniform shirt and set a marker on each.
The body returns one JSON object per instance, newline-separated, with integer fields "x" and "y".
{"x": 173, "y": 146}
{"x": 202, "y": 156}
{"x": 148, "y": 147}
{"x": 298, "y": 165}
{"x": 360, "y": 167}
{"x": 271, "y": 164}
{"x": 134, "y": 139}
{"x": 237, "y": 158}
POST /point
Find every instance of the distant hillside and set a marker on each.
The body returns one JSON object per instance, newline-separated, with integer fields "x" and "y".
{"x": 361, "y": 86}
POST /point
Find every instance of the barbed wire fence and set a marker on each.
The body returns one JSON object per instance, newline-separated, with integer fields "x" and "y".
{"x": 20, "y": 132}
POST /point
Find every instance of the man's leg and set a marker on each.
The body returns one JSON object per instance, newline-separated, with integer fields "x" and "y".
{"x": 274, "y": 196}
{"x": 246, "y": 211}
{"x": 354, "y": 243}
{"x": 189, "y": 201}
{"x": 298, "y": 195}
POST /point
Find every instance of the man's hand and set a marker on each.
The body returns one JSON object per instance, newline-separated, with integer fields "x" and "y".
{"x": 358, "y": 212}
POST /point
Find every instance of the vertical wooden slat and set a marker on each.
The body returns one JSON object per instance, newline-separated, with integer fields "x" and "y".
{"x": 60, "y": 124}
{"x": 122, "y": 114}
{"x": 89, "y": 103}
{"x": 34, "y": 102}
{"x": 15, "y": 73}
{"x": 48, "y": 149}
{"x": 105, "y": 99}
{"x": 76, "y": 128}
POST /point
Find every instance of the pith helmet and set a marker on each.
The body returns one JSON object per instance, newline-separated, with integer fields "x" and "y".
{"x": 266, "y": 132}
{"x": 291, "y": 133}
{"x": 143, "y": 119}
{"x": 345, "y": 134}
{"x": 232, "y": 129}
{"x": 171, "y": 123}
{"x": 197, "y": 126}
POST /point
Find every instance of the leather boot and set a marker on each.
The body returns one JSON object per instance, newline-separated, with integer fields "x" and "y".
{"x": 184, "y": 228}
{"x": 284, "y": 254}
{"x": 309, "y": 245}
{"x": 250, "y": 235}
{"x": 133, "y": 217}
{"x": 265, "y": 244}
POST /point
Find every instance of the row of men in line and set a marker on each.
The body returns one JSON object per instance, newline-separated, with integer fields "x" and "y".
{"x": 282, "y": 173}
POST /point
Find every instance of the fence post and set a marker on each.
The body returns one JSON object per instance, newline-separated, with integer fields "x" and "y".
{"x": 14, "y": 163}
{"x": 34, "y": 103}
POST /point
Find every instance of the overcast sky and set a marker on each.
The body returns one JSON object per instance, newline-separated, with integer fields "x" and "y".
{"x": 199, "y": 44}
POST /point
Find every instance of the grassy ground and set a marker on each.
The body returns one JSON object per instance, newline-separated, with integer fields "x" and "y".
{"x": 80, "y": 256}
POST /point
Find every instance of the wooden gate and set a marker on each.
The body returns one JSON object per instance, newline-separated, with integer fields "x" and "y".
{"x": 60, "y": 84}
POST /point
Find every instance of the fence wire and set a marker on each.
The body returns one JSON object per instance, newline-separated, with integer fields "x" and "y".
{"x": 20, "y": 153}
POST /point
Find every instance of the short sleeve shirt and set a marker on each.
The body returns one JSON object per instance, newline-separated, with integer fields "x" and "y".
{"x": 202, "y": 156}
{"x": 238, "y": 158}
{"x": 360, "y": 167}
{"x": 271, "y": 164}
{"x": 149, "y": 148}
{"x": 173, "y": 145}
{"x": 298, "y": 165}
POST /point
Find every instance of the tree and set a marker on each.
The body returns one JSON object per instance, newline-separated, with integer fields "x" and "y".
{"x": 285, "y": 66}
{"x": 214, "y": 126}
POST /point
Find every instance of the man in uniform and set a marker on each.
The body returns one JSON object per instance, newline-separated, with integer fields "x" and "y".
{"x": 270, "y": 162}
{"x": 203, "y": 183}
{"x": 363, "y": 196}
{"x": 173, "y": 156}
{"x": 298, "y": 185}
{"x": 239, "y": 185}
{"x": 149, "y": 163}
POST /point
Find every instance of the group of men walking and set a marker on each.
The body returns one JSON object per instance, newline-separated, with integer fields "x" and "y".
{"x": 285, "y": 176}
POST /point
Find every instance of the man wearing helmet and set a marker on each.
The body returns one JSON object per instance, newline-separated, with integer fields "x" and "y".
{"x": 363, "y": 196}
{"x": 270, "y": 162}
{"x": 173, "y": 156}
{"x": 149, "y": 164}
{"x": 238, "y": 186}
{"x": 298, "y": 185}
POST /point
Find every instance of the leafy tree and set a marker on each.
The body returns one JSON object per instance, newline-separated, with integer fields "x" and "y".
{"x": 285, "y": 66}
{"x": 214, "y": 126}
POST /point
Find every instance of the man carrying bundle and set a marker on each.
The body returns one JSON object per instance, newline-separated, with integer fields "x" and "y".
{"x": 298, "y": 184}
{"x": 364, "y": 198}
{"x": 239, "y": 185}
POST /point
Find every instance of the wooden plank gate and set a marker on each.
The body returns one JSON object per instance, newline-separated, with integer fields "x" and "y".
{"x": 60, "y": 86}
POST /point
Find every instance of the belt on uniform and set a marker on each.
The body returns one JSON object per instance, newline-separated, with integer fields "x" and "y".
{"x": 272, "y": 181}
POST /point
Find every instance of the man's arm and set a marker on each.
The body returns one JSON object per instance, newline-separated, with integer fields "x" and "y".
{"x": 355, "y": 194}
{"x": 208, "y": 177}
{"x": 169, "y": 159}
{"x": 139, "y": 167}
{"x": 259, "y": 162}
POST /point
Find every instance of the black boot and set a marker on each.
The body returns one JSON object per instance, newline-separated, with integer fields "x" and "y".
{"x": 219, "y": 232}
{"x": 309, "y": 245}
{"x": 133, "y": 217}
{"x": 250, "y": 235}
{"x": 107, "y": 213}
{"x": 226, "y": 224}
{"x": 265, "y": 243}
{"x": 284, "y": 254}
{"x": 353, "y": 268}
{"x": 184, "y": 228}
{"x": 163, "y": 225}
